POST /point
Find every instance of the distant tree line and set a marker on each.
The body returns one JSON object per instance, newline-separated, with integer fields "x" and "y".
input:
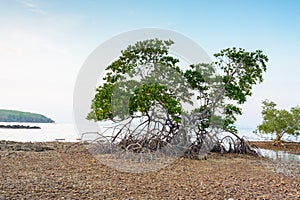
{"x": 17, "y": 116}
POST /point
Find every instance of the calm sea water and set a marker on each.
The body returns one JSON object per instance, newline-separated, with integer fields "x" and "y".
{"x": 48, "y": 132}
{"x": 68, "y": 133}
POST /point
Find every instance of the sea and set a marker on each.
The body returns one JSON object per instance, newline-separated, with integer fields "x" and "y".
{"x": 67, "y": 132}
{"x": 48, "y": 132}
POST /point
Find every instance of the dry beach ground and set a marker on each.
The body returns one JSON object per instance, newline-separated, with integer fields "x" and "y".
{"x": 37, "y": 172}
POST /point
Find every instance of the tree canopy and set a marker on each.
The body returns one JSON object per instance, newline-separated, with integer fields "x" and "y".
{"x": 148, "y": 84}
{"x": 279, "y": 121}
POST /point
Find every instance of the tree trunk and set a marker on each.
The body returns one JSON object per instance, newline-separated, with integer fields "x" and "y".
{"x": 278, "y": 141}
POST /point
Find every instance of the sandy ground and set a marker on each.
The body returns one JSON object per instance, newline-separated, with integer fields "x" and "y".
{"x": 46, "y": 171}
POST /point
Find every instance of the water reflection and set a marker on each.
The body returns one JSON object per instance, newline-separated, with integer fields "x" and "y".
{"x": 280, "y": 155}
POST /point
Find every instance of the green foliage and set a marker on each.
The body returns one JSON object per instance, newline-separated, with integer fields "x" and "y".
{"x": 240, "y": 71}
{"x": 278, "y": 121}
{"x": 101, "y": 104}
{"x": 142, "y": 53}
{"x": 17, "y": 116}
{"x": 164, "y": 83}
{"x": 122, "y": 98}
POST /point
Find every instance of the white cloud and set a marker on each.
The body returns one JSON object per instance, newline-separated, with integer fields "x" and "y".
{"x": 33, "y": 7}
{"x": 4, "y": 50}
{"x": 26, "y": 40}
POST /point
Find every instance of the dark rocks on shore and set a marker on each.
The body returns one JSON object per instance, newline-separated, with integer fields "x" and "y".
{"x": 11, "y": 147}
{"x": 19, "y": 127}
{"x": 26, "y": 146}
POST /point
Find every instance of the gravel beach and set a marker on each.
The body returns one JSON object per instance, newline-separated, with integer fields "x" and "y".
{"x": 48, "y": 171}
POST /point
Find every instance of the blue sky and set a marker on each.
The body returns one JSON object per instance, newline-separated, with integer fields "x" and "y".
{"x": 44, "y": 43}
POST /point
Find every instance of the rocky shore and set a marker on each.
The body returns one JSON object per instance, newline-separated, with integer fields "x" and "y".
{"x": 60, "y": 170}
{"x": 11, "y": 146}
{"x": 19, "y": 127}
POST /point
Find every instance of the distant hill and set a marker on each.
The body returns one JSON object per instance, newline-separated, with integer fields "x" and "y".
{"x": 18, "y": 116}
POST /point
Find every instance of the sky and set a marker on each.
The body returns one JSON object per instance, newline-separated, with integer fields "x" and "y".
{"x": 43, "y": 45}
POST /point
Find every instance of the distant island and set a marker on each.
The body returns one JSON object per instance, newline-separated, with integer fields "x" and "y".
{"x": 18, "y": 116}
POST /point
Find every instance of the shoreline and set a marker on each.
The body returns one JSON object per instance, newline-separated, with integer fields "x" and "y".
{"x": 290, "y": 147}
